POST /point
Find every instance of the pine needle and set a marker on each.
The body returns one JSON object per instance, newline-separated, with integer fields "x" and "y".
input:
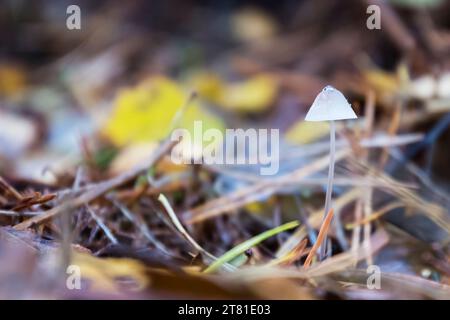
{"x": 322, "y": 233}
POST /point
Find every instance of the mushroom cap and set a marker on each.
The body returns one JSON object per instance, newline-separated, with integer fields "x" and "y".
{"x": 330, "y": 104}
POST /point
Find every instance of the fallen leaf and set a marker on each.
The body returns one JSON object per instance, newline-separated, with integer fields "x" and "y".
{"x": 145, "y": 112}
{"x": 254, "y": 94}
{"x": 252, "y": 24}
{"x": 304, "y": 132}
{"x": 384, "y": 83}
{"x": 104, "y": 274}
{"x": 12, "y": 80}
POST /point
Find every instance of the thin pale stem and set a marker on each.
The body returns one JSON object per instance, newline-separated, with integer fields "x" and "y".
{"x": 329, "y": 192}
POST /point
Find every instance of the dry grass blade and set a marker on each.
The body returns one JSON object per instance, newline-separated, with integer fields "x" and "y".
{"x": 179, "y": 227}
{"x": 336, "y": 263}
{"x": 397, "y": 285}
{"x": 257, "y": 191}
{"x": 102, "y": 225}
{"x": 291, "y": 256}
{"x": 410, "y": 198}
{"x": 374, "y": 216}
{"x": 322, "y": 234}
{"x": 315, "y": 219}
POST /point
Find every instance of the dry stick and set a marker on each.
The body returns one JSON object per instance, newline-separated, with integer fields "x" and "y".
{"x": 10, "y": 189}
{"x": 18, "y": 214}
{"x": 101, "y": 188}
{"x": 320, "y": 238}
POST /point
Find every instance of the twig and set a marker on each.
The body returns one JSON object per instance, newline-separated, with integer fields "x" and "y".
{"x": 10, "y": 189}
{"x": 18, "y": 214}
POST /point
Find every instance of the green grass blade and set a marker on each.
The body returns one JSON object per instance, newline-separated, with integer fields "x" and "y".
{"x": 242, "y": 247}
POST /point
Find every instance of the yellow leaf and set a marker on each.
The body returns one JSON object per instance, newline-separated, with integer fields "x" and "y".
{"x": 103, "y": 274}
{"x": 12, "y": 80}
{"x": 209, "y": 85}
{"x": 144, "y": 113}
{"x": 304, "y": 132}
{"x": 260, "y": 206}
{"x": 253, "y": 25}
{"x": 254, "y": 94}
{"x": 251, "y": 95}
{"x": 381, "y": 81}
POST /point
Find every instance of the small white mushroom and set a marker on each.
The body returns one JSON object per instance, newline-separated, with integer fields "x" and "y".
{"x": 329, "y": 105}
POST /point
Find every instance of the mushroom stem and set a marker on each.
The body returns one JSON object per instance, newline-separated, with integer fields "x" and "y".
{"x": 329, "y": 192}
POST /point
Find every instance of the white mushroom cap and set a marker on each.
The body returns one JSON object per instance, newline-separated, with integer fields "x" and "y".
{"x": 330, "y": 104}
